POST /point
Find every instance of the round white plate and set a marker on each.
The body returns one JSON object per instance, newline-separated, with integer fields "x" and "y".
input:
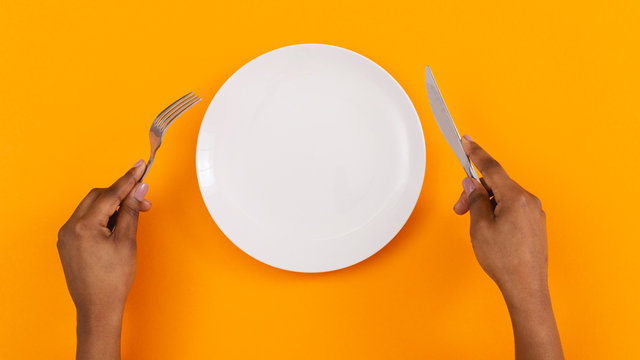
{"x": 310, "y": 158}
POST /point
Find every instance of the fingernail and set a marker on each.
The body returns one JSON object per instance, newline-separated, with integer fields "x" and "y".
{"x": 468, "y": 185}
{"x": 468, "y": 138}
{"x": 138, "y": 163}
{"x": 141, "y": 191}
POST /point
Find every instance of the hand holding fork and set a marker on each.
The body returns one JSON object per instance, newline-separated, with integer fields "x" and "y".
{"x": 157, "y": 131}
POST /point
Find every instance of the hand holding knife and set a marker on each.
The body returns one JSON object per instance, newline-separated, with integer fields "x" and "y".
{"x": 449, "y": 130}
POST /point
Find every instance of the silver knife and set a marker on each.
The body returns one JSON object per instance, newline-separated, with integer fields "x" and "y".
{"x": 445, "y": 122}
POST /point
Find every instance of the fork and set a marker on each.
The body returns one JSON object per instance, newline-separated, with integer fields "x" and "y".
{"x": 156, "y": 133}
{"x": 163, "y": 121}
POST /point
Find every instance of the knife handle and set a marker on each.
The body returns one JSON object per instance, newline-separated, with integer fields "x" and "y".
{"x": 492, "y": 197}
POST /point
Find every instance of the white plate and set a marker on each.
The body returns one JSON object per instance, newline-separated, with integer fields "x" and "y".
{"x": 310, "y": 158}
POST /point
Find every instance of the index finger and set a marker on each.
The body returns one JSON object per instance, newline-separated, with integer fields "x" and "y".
{"x": 492, "y": 172}
{"x": 109, "y": 200}
{"x": 86, "y": 203}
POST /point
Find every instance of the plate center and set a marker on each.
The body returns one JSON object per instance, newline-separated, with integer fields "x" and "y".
{"x": 315, "y": 149}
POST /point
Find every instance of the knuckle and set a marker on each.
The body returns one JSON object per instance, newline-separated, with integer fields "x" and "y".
{"x": 80, "y": 228}
{"x": 523, "y": 200}
{"x": 110, "y": 193}
{"x": 129, "y": 209}
{"x": 94, "y": 193}
{"x": 536, "y": 202}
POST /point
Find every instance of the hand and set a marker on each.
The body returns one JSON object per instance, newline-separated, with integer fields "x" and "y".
{"x": 99, "y": 265}
{"x": 509, "y": 239}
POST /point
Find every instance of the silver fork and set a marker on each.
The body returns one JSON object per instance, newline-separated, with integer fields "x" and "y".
{"x": 162, "y": 122}
{"x": 156, "y": 133}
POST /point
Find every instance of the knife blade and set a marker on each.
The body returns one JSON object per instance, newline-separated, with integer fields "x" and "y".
{"x": 445, "y": 122}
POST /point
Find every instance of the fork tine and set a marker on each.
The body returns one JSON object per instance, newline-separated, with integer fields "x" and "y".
{"x": 180, "y": 111}
{"x": 170, "y": 110}
{"x": 162, "y": 120}
{"x": 163, "y": 112}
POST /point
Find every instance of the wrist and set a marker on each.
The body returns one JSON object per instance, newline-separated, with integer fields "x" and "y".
{"x": 523, "y": 283}
{"x": 534, "y": 327}
{"x": 99, "y": 335}
{"x": 526, "y": 294}
{"x": 99, "y": 323}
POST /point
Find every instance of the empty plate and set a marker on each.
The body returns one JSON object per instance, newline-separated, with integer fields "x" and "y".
{"x": 310, "y": 158}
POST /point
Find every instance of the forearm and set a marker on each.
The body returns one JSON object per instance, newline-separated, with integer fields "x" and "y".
{"x": 99, "y": 336}
{"x": 534, "y": 326}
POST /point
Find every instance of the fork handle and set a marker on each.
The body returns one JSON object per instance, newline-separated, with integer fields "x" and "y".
{"x": 112, "y": 219}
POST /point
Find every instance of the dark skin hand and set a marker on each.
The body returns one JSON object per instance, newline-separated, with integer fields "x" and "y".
{"x": 99, "y": 265}
{"x": 510, "y": 243}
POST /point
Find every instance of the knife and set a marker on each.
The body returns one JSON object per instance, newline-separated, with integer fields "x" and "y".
{"x": 445, "y": 122}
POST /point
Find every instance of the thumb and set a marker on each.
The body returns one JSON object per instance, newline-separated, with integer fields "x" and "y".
{"x": 479, "y": 203}
{"x": 127, "y": 222}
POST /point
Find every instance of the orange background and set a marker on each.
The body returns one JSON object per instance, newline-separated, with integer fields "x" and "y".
{"x": 550, "y": 88}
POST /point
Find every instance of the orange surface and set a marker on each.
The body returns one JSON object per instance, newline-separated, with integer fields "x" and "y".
{"x": 549, "y": 88}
